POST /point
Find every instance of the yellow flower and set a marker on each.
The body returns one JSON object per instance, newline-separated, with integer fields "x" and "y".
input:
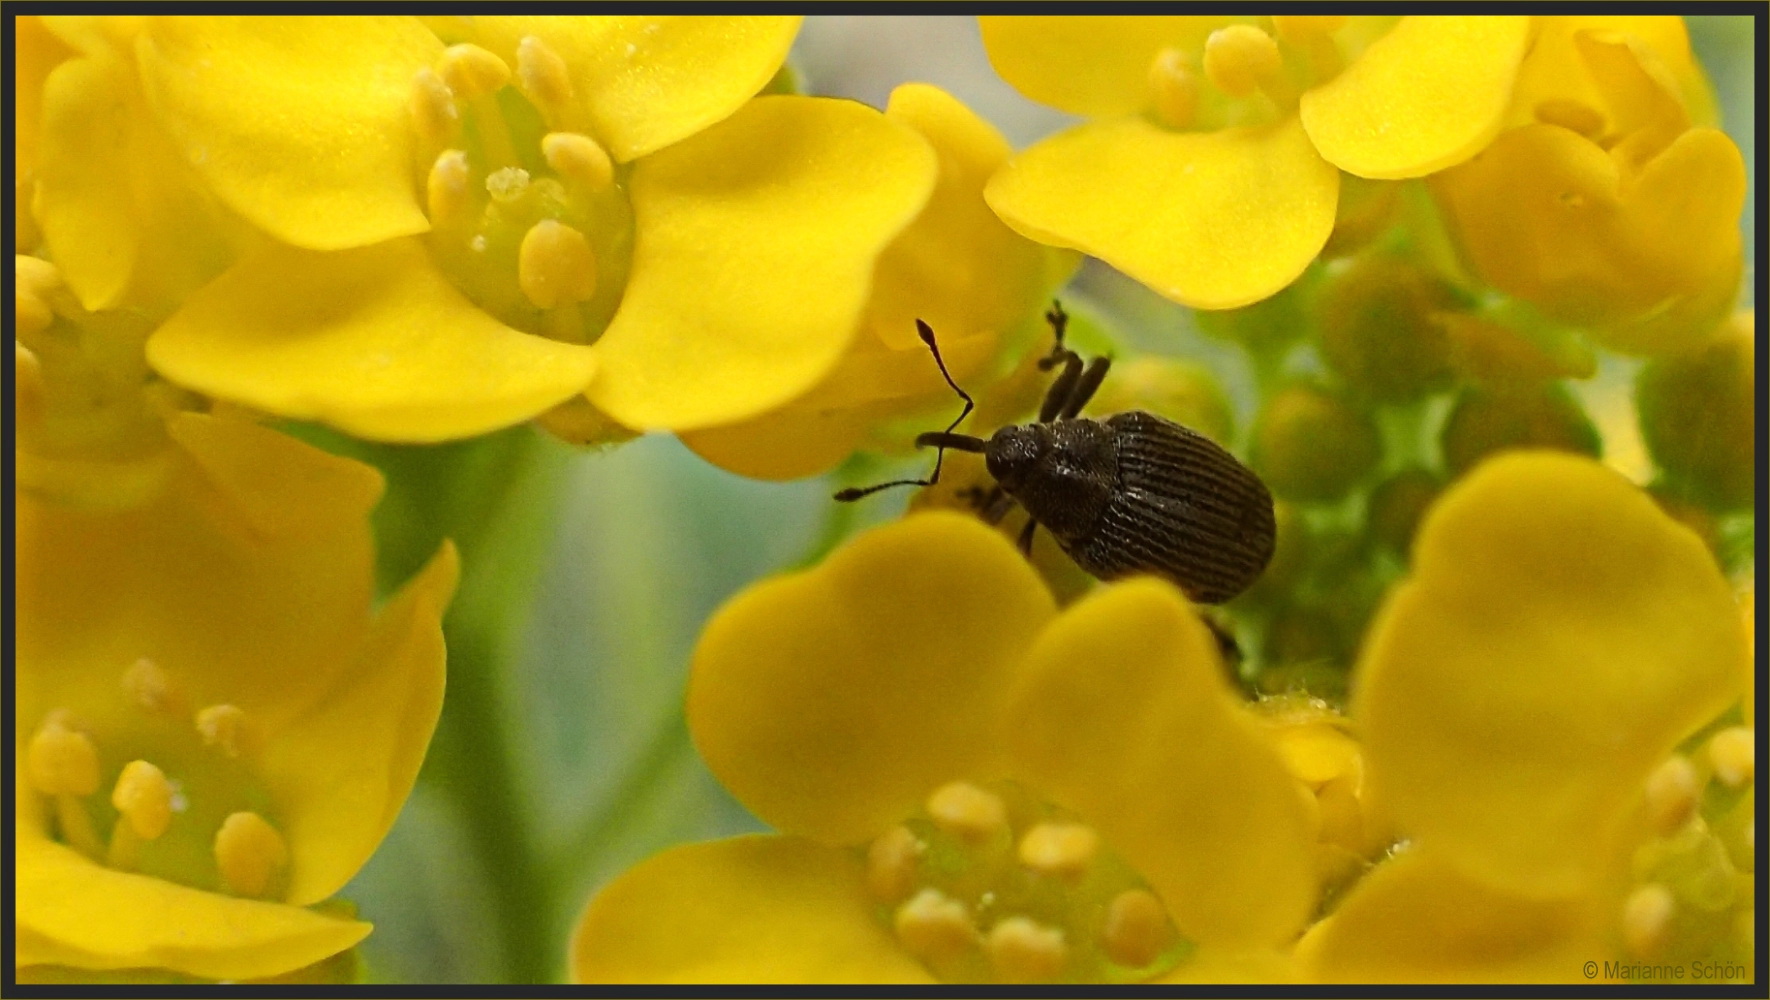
{"x": 1520, "y": 697}
{"x": 120, "y": 212}
{"x": 1211, "y": 170}
{"x": 1609, "y": 204}
{"x": 956, "y": 267}
{"x": 214, "y": 730}
{"x": 961, "y": 775}
{"x": 456, "y": 224}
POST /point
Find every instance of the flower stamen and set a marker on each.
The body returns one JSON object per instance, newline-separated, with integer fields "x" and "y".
{"x": 1241, "y": 59}
{"x": 1173, "y": 88}
{"x": 433, "y": 108}
{"x": 935, "y": 928}
{"x": 967, "y": 811}
{"x": 1136, "y": 930}
{"x": 229, "y": 729}
{"x": 1672, "y": 793}
{"x": 250, "y": 854}
{"x": 152, "y": 689}
{"x": 143, "y": 800}
{"x": 1060, "y": 850}
{"x": 579, "y": 158}
{"x": 446, "y": 191}
{"x": 543, "y": 77}
{"x": 472, "y": 71}
{"x": 1732, "y": 753}
{"x": 1021, "y": 950}
{"x": 1647, "y": 919}
{"x": 891, "y": 863}
{"x": 62, "y": 763}
{"x": 555, "y": 265}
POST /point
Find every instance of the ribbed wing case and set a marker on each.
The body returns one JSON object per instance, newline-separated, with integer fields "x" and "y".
{"x": 1185, "y": 509}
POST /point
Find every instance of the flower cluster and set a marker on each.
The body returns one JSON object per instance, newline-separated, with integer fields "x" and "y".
{"x": 1487, "y": 714}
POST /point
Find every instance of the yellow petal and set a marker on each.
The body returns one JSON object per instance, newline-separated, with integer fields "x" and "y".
{"x": 341, "y": 772}
{"x": 1428, "y": 95}
{"x": 374, "y": 341}
{"x": 1414, "y": 919}
{"x": 643, "y": 83}
{"x": 37, "y": 53}
{"x": 74, "y": 912}
{"x": 957, "y": 267}
{"x": 756, "y": 909}
{"x": 88, "y": 218}
{"x": 300, "y": 124}
{"x": 1090, "y": 65}
{"x": 1124, "y": 715}
{"x": 1558, "y": 637}
{"x": 203, "y": 580}
{"x": 754, "y": 256}
{"x": 832, "y": 702}
{"x": 1549, "y": 216}
{"x": 1554, "y": 73}
{"x": 1211, "y": 220}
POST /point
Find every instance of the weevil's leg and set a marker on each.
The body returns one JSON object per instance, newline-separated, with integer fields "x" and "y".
{"x": 1026, "y": 536}
{"x": 996, "y": 507}
{"x": 1061, "y": 387}
{"x": 1084, "y": 388}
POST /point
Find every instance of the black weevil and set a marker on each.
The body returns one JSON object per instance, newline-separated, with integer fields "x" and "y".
{"x": 1133, "y": 493}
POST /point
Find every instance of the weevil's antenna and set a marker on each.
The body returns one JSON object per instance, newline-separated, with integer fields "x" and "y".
{"x": 1059, "y": 321}
{"x": 942, "y": 440}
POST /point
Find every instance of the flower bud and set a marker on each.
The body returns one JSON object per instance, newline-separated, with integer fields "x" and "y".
{"x": 1486, "y": 420}
{"x": 1312, "y": 445}
{"x": 1185, "y": 393}
{"x": 1378, "y": 330}
{"x": 1396, "y": 507}
{"x": 1696, "y": 412}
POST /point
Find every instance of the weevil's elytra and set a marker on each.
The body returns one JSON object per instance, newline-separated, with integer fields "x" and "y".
{"x": 1134, "y": 493}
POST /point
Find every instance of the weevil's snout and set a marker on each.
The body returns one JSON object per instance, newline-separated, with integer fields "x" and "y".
{"x": 1012, "y": 452}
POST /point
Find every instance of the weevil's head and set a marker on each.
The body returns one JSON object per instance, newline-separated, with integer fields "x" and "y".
{"x": 1015, "y": 451}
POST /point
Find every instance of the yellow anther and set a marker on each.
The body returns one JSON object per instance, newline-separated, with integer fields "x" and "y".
{"x": 28, "y": 404}
{"x": 1059, "y": 849}
{"x": 1574, "y": 115}
{"x": 1731, "y": 752}
{"x": 62, "y": 761}
{"x": 250, "y": 854}
{"x": 1672, "y": 791}
{"x": 152, "y": 689}
{"x": 1647, "y": 919}
{"x": 1136, "y": 930}
{"x": 446, "y": 189}
{"x": 967, "y": 811}
{"x": 433, "y": 108}
{"x": 578, "y": 158}
{"x": 934, "y": 927}
{"x": 1299, "y": 27}
{"x": 32, "y": 313}
{"x": 143, "y": 799}
{"x": 229, "y": 729}
{"x": 1242, "y": 59}
{"x": 891, "y": 864}
{"x": 471, "y": 71}
{"x": 542, "y": 74}
{"x": 555, "y": 265}
{"x": 1173, "y": 88}
{"x": 1024, "y": 951}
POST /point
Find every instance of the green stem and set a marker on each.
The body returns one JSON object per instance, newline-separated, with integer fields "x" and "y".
{"x": 496, "y": 497}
